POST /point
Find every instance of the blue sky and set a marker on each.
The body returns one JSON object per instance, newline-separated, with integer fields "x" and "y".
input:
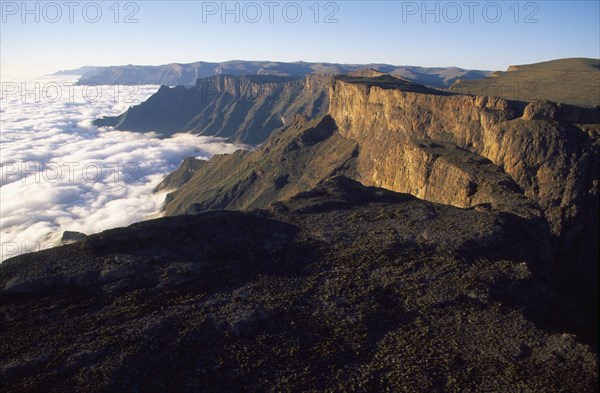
{"x": 476, "y": 34}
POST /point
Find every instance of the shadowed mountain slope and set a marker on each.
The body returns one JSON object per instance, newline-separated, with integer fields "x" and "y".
{"x": 340, "y": 288}
{"x": 241, "y": 108}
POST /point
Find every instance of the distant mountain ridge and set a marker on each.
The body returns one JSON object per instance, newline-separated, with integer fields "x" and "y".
{"x": 78, "y": 71}
{"x": 186, "y": 74}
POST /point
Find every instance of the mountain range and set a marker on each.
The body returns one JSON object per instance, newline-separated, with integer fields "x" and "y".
{"x": 534, "y": 160}
{"x": 186, "y": 74}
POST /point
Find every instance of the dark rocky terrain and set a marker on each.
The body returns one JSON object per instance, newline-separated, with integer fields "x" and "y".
{"x": 343, "y": 288}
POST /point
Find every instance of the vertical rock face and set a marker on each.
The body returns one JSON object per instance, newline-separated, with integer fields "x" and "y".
{"x": 423, "y": 143}
{"x": 551, "y": 159}
{"x": 418, "y": 143}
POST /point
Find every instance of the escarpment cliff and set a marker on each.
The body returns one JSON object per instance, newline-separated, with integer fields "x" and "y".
{"x": 549, "y": 155}
{"x": 243, "y": 109}
{"x": 465, "y": 151}
{"x": 549, "y": 151}
{"x": 532, "y": 160}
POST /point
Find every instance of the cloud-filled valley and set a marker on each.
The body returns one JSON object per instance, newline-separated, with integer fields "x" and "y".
{"x": 59, "y": 172}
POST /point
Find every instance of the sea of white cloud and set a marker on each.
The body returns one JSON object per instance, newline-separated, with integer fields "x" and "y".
{"x": 61, "y": 173}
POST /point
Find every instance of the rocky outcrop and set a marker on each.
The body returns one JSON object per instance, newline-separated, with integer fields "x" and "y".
{"x": 72, "y": 236}
{"x": 546, "y": 110}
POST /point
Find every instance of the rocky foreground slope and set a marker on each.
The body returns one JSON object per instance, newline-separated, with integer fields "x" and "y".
{"x": 342, "y": 288}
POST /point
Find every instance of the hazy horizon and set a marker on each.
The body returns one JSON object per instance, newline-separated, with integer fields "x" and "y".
{"x": 270, "y": 60}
